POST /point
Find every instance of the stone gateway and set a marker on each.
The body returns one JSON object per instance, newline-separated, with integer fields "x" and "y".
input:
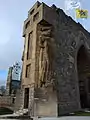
{"x": 56, "y": 63}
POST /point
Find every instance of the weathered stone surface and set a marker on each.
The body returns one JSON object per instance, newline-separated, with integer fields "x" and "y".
{"x": 55, "y": 43}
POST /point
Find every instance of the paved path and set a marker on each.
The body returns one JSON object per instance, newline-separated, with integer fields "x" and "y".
{"x": 67, "y": 118}
{"x": 52, "y": 118}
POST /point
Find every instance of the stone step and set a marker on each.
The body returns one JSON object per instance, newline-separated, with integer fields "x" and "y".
{"x": 21, "y": 112}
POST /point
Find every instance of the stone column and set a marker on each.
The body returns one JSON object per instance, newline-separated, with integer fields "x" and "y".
{"x": 31, "y": 100}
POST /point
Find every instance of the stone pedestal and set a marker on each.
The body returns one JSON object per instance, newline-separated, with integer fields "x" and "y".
{"x": 45, "y": 103}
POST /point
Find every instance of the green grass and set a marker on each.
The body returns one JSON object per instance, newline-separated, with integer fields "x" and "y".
{"x": 82, "y": 113}
{"x": 4, "y": 111}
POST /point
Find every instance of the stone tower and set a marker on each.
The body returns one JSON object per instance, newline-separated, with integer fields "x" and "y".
{"x": 56, "y": 67}
{"x": 9, "y": 79}
{"x": 13, "y": 79}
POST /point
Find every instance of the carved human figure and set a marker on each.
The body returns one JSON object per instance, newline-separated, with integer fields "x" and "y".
{"x": 44, "y": 57}
{"x": 42, "y": 62}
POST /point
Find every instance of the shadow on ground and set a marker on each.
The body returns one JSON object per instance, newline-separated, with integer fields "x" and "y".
{"x": 4, "y": 111}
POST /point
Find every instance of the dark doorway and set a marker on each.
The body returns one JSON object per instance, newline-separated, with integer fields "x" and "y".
{"x": 26, "y": 98}
{"x": 83, "y": 65}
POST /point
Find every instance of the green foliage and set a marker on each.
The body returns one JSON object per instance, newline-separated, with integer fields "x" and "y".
{"x": 82, "y": 113}
{"x": 4, "y": 111}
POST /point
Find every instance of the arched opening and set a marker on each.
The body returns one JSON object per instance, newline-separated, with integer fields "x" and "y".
{"x": 83, "y": 66}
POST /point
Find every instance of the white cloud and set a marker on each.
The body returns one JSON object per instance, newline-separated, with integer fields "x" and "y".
{"x": 5, "y": 31}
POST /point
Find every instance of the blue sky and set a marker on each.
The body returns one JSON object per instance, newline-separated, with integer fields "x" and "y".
{"x": 3, "y": 76}
{"x": 12, "y": 15}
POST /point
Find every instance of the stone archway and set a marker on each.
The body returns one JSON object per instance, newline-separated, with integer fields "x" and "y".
{"x": 83, "y": 67}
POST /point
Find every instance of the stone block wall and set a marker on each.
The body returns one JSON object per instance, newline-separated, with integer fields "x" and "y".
{"x": 69, "y": 37}
{"x": 6, "y": 102}
{"x": 56, "y": 42}
{"x": 45, "y": 103}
